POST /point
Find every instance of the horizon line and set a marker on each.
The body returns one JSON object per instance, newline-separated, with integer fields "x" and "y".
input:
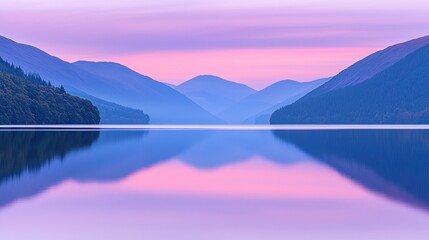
{"x": 217, "y": 127}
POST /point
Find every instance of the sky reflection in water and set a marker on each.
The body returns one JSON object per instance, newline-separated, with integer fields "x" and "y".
{"x": 344, "y": 184}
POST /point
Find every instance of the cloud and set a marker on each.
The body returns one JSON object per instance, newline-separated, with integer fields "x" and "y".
{"x": 176, "y": 29}
{"x": 139, "y": 30}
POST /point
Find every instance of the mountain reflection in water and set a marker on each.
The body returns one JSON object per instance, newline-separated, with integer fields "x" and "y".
{"x": 394, "y": 163}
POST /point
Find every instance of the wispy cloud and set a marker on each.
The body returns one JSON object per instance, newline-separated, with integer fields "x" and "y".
{"x": 116, "y": 29}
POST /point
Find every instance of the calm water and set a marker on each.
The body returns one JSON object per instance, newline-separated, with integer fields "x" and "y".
{"x": 214, "y": 184}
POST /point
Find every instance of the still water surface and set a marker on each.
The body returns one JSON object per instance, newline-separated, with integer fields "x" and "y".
{"x": 214, "y": 184}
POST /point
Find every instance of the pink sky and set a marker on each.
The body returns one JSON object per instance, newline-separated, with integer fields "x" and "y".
{"x": 255, "y": 42}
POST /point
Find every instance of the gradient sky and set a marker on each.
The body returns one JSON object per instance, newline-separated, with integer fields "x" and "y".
{"x": 256, "y": 41}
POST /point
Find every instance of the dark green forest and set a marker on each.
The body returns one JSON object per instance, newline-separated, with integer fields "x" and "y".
{"x": 397, "y": 95}
{"x": 28, "y": 99}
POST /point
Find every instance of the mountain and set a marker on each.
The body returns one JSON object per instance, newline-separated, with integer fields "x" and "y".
{"x": 267, "y": 100}
{"x": 370, "y": 66}
{"x": 170, "y": 85}
{"x": 112, "y": 113}
{"x": 27, "y": 99}
{"x": 214, "y": 93}
{"x": 399, "y": 94}
{"x": 110, "y": 82}
{"x": 161, "y": 102}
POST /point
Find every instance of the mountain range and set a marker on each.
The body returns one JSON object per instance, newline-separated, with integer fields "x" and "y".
{"x": 125, "y": 96}
{"x": 110, "y": 82}
{"x": 267, "y": 100}
{"x": 213, "y": 93}
{"x": 237, "y": 103}
{"x": 389, "y": 86}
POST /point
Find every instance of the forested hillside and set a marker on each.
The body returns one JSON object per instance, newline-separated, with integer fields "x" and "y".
{"x": 27, "y": 99}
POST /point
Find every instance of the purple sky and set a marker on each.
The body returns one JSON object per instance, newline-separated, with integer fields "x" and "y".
{"x": 255, "y": 42}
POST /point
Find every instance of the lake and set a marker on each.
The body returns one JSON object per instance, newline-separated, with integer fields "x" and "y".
{"x": 196, "y": 184}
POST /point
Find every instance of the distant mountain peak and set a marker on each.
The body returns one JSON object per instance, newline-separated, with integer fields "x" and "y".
{"x": 208, "y": 76}
{"x": 214, "y": 93}
{"x": 214, "y": 80}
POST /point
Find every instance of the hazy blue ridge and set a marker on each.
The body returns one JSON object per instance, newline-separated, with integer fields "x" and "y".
{"x": 111, "y": 82}
{"x": 399, "y": 94}
{"x": 112, "y": 113}
{"x": 213, "y": 93}
{"x": 267, "y": 100}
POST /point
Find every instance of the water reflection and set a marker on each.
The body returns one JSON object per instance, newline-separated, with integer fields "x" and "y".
{"x": 29, "y": 150}
{"x": 220, "y": 148}
{"x": 394, "y": 163}
{"x": 118, "y": 154}
{"x": 115, "y": 155}
{"x": 214, "y": 185}
{"x": 25, "y": 153}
